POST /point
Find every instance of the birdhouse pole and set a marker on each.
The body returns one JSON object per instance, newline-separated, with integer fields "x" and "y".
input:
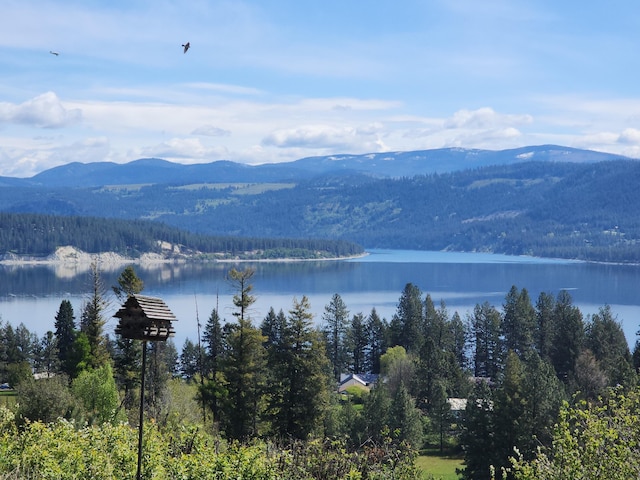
{"x": 141, "y": 421}
{"x": 146, "y": 319}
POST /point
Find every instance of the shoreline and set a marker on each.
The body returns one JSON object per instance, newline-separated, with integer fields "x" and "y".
{"x": 71, "y": 256}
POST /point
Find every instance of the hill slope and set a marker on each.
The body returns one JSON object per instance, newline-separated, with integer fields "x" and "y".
{"x": 577, "y": 209}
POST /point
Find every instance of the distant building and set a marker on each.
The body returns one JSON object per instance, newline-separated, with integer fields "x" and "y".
{"x": 362, "y": 380}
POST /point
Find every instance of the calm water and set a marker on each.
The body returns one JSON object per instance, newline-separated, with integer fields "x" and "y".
{"x": 32, "y": 294}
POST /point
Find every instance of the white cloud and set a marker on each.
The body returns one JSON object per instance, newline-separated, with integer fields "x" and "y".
{"x": 485, "y": 118}
{"x": 630, "y": 136}
{"x": 46, "y": 111}
{"x": 326, "y": 137}
{"x": 187, "y": 150}
{"x": 211, "y": 131}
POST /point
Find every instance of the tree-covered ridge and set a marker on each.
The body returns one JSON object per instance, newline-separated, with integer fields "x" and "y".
{"x": 41, "y": 235}
{"x": 549, "y": 209}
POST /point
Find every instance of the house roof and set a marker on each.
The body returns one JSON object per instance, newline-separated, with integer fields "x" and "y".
{"x": 364, "y": 378}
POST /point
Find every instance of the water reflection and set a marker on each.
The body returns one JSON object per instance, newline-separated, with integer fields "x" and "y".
{"x": 32, "y": 294}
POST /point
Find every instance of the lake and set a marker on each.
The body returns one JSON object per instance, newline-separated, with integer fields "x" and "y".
{"x": 32, "y": 294}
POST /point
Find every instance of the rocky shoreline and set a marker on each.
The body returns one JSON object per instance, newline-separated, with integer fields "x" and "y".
{"x": 70, "y": 256}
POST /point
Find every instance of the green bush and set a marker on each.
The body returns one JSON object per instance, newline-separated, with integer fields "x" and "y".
{"x": 60, "y": 450}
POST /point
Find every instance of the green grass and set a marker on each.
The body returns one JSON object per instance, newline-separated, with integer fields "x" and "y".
{"x": 8, "y": 398}
{"x": 441, "y": 467}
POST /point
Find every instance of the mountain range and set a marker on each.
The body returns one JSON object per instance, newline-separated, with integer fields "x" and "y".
{"x": 377, "y": 165}
{"x": 547, "y": 201}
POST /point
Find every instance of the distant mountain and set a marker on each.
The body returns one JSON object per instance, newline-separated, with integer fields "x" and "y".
{"x": 544, "y": 201}
{"x": 378, "y": 165}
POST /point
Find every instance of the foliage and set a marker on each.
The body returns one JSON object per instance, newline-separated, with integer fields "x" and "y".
{"x": 96, "y": 391}
{"x": 592, "y": 440}
{"x": 61, "y": 451}
{"x": 46, "y": 400}
{"x": 40, "y": 234}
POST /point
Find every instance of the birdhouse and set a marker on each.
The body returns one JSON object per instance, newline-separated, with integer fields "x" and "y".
{"x": 145, "y": 318}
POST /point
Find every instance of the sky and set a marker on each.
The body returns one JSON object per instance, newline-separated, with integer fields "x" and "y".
{"x": 278, "y": 80}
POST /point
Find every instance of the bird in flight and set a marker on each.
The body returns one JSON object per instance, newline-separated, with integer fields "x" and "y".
{"x": 54, "y": 53}
{"x": 186, "y": 47}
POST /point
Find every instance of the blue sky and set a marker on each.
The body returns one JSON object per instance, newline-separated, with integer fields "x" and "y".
{"x": 278, "y": 80}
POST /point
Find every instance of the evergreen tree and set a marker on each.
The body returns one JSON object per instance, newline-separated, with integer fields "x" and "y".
{"x": 244, "y": 365}
{"x": 65, "y": 336}
{"x": 605, "y": 338}
{"x": 509, "y": 419}
{"x": 376, "y": 412}
{"x": 299, "y": 376}
{"x": 545, "y": 330}
{"x": 92, "y": 320}
{"x": 478, "y": 437}
{"x": 336, "y": 320}
{"x": 128, "y": 284}
{"x": 458, "y": 333}
{"x": 127, "y": 357}
{"x": 377, "y": 332}
{"x": 485, "y": 330}
{"x": 48, "y": 359}
{"x": 406, "y": 324}
{"x": 189, "y": 360}
{"x": 405, "y": 419}
{"x": 589, "y": 380}
{"x": 543, "y": 393}
{"x": 518, "y": 322}
{"x": 357, "y": 342}
{"x": 214, "y": 349}
{"x": 569, "y": 335}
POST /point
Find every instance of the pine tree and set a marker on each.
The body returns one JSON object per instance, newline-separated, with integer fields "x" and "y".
{"x": 545, "y": 330}
{"x": 212, "y": 390}
{"x": 244, "y": 364}
{"x": 518, "y": 322}
{"x": 569, "y": 336}
{"x": 92, "y": 320}
{"x": 405, "y": 420}
{"x": 357, "y": 341}
{"x": 406, "y": 324}
{"x": 478, "y": 437}
{"x": 65, "y": 336}
{"x": 377, "y": 332}
{"x": 485, "y": 330}
{"x": 299, "y": 376}
{"x": 128, "y": 353}
{"x": 336, "y": 319}
{"x": 605, "y": 338}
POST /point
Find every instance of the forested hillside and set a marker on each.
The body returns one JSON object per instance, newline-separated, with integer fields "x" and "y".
{"x": 40, "y": 235}
{"x": 585, "y": 211}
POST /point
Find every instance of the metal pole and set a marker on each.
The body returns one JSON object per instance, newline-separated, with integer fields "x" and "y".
{"x": 140, "y": 426}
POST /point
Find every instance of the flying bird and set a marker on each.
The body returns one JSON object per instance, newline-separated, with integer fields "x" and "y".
{"x": 186, "y": 47}
{"x": 54, "y": 53}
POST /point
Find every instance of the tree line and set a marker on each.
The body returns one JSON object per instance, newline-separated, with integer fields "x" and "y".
{"x": 40, "y": 235}
{"x": 518, "y": 368}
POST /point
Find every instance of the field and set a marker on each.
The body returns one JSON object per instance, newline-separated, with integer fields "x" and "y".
{"x": 440, "y": 467}
{"x": 7, "y": 397}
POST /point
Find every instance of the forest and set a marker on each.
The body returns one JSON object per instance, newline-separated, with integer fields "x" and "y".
{"x": 40, "y": 235}
{"x": 527, "y": 389}
{"x": 586, "y": 211}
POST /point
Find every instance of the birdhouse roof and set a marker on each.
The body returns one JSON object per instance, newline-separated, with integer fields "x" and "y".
{"x": 150, "y": 307}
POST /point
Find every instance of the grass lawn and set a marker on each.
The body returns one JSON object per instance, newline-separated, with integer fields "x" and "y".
{"x": 8, "y": 398}
{"x": 442, "y": 467}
